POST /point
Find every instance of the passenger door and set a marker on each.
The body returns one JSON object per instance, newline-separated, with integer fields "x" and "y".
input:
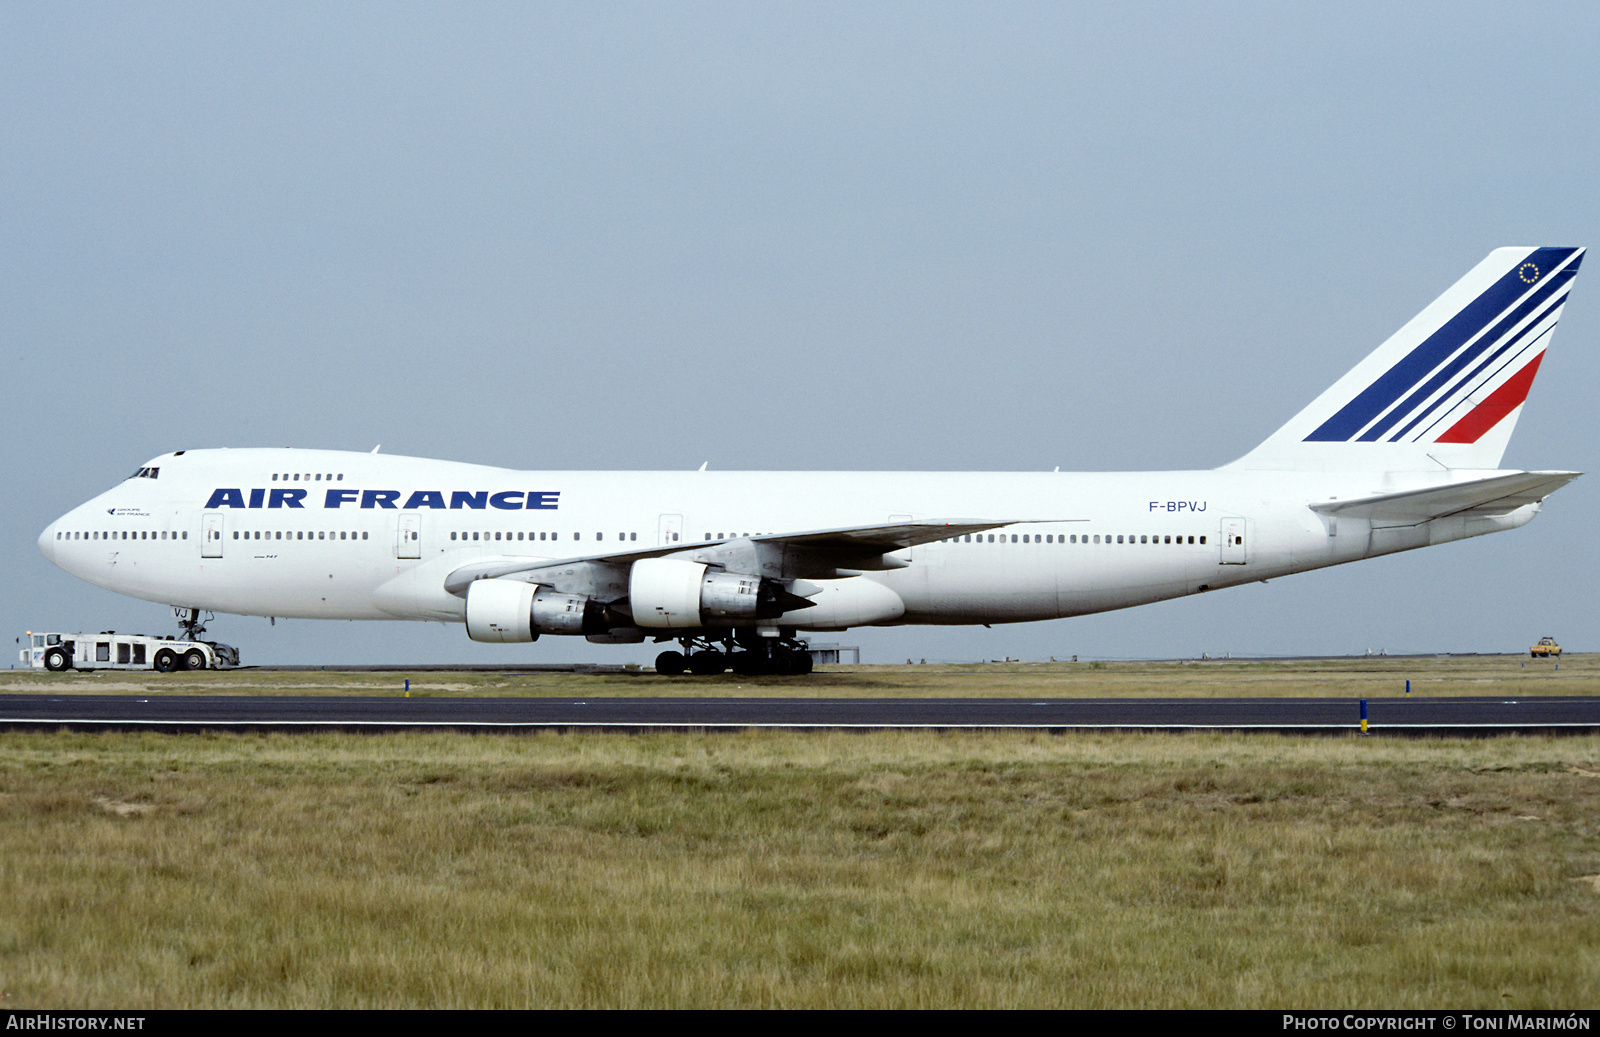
{"x": 408, "y": 537}
{"x": 1234, "y": 548}
{"x": 211, "y": 527}
{"x": 904, "y": 552}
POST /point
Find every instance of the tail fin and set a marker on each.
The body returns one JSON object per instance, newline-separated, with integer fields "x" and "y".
{"x": 1445, "y": 390}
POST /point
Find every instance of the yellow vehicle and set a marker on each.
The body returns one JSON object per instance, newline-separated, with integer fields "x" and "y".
{"x": 1545, "y": 649}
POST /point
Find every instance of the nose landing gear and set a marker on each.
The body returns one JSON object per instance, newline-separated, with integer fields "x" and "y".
{"x": 190, "y": 624}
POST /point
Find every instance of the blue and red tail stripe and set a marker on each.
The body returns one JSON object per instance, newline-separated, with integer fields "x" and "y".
{"x": 1529, "y": 292}
{"x": 1539, "y": 305}
{"x": 1528, "y": 336}
{"x": 1494, "y": 410}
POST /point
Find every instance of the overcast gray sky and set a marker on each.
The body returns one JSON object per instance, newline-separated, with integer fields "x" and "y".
{"x": 773, "y": 236}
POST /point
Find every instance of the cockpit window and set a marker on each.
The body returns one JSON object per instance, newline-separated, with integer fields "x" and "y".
{"x": 146, "y": 473}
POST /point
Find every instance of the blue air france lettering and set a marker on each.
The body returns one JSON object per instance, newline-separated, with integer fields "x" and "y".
{"x": 505, "y": 500}
{"x": 737, "y": 567}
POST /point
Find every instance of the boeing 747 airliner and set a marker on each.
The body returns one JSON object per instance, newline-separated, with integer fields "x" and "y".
{"x": 1402, "y": 452}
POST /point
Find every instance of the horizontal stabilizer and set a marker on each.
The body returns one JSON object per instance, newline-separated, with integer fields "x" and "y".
{"x": 1496, "y": 495}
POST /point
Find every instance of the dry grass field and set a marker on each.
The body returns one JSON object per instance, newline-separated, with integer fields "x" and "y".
{"x": 1490, "y": 675}
{"x": 789, "y": 870}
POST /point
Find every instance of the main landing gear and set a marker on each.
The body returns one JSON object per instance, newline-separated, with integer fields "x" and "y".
{"x": 762, "y": 655}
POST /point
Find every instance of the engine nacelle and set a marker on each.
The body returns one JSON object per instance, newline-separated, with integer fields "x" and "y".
{"x": 510, "y": 611}
{"x": 664, "y": 593}
{"x": 673, "y": 594}
{"x": 840, "y": 604}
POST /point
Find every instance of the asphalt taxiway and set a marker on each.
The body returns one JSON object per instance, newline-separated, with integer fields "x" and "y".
{"x": 1386, "y": 716}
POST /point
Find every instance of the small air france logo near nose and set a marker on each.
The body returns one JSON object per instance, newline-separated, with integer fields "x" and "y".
{"x": 1529, "y": 272}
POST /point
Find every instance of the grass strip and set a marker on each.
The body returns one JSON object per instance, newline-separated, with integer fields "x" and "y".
{"x": 769, "y": 869}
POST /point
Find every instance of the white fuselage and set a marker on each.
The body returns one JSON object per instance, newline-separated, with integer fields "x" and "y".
{"x": 335, "y": 535}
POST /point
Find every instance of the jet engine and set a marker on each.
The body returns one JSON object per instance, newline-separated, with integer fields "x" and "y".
{"x": 673, "y": 594}
{"x": 508, "y": 611}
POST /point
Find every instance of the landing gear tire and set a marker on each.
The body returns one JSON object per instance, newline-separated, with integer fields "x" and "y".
{"x": 56, "y": 661}
{"x": 670, "y": 664}
{"x": 166, "y": 661}
{"x": 194, "y": 659}
{"x": 774, "y": 662}
{"x": 707, "y": 664}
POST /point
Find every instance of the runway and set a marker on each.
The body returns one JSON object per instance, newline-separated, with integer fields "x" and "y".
{"x": 1427, "y": 717}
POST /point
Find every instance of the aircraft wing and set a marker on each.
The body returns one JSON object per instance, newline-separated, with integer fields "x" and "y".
{"x": 1496, "y": 495}
{"x": 849, "y": 542}
{"x": 888, "y": 536}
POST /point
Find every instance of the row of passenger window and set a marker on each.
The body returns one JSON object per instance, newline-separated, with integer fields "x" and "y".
{"x": 1074, "y": 538}
{"x": 307, "y": 477}
{"x": 298, "y": 534}
{"x": 487, "y": 535}
{"x": 121, "y": 534}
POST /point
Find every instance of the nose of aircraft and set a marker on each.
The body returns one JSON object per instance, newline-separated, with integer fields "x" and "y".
{"x": 47, "y": 541}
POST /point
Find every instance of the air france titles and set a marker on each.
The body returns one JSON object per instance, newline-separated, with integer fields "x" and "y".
{"x": 398, "y": 500}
